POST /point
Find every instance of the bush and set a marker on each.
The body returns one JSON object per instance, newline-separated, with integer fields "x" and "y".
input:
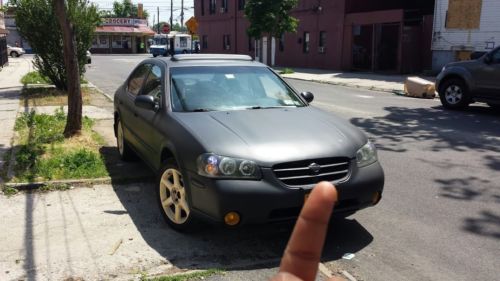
{"x": 34, "y": 77}
{"x": 37, "y": 22}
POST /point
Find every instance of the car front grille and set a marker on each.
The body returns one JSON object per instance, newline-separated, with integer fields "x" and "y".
{"x": 309, "y": 172}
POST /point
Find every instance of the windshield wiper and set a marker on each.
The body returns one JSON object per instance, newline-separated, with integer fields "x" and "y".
{"x": 202, "y": 110}
{"x": 268, "y": 107}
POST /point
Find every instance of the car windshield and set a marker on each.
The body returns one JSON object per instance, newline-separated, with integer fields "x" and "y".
{"x": 226, "y": 88}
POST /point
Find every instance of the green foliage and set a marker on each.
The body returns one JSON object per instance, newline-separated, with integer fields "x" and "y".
{"x": 41, "y": 154}
{"x": 124, "y": 9}
{"x": 287, "y": 71}
{"x": 37, "y": 23}
{"x": 271, "y": 17}
{"x": 184, "y": 277}
{"x": 34, "y": 77}
{"x": 9, "y": 191}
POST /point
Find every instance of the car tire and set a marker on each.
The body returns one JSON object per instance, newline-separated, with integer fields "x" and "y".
{"x": 126, "y": 153}
{"x": 184, "y": 52}
{"x": 14, "y": 54}
{"x": 154, "y": 55}
{"x": 454, "y": 94}
{"x": 172, "y": 197}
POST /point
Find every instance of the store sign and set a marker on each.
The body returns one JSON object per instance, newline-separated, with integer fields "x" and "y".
{"x": 124, "y": 22}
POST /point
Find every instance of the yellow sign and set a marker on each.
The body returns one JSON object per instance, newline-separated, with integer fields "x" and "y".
{"x": 192, "y": 25}
{"x": 140, "y": 9}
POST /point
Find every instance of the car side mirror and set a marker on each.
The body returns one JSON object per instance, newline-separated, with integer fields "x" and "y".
{"x": 308, "y": 96}
{"x": 146, "y": 102}
{"x": 488, "y": 59}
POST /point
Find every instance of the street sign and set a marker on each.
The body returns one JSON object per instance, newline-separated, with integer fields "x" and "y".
{"x": 166, "y": 28}
{"x": 192, "y": 26}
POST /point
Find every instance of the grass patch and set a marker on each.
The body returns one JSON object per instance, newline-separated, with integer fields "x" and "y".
{"x": 287, "y": 71}
{"x": 34, "y": 77}
{"x": 54, "y": 187}
{"x": 9, "y": 191}
{"x": 44, "y": 154}
{"x": 184, "y": 277}
{"x": 52, "y": 96}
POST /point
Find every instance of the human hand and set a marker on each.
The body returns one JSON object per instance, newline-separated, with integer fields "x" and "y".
{"x": 302, "y": 255}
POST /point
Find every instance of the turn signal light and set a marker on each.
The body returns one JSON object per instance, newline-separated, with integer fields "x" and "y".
{"x": 232, "y": 219}
{"x": 376, "y": 198}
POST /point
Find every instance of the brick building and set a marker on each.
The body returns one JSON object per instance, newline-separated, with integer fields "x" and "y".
{"x": 366, "y": 35}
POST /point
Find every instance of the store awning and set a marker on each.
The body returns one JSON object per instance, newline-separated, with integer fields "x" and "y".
{"x": 140, "y": 30}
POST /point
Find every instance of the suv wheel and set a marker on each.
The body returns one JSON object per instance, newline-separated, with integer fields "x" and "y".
{"x": 172, "y": 197}
{"x": 14, "y": 54}
{"x": 454, "y": 94}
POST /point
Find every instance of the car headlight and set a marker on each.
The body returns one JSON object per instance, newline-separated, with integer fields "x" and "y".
{"x": 366, "y": 155}
{"x": 216, "y": 166}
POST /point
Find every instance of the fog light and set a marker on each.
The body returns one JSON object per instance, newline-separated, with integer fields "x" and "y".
{"x": 232, "y": 218}
{"x": 376, "y": 198}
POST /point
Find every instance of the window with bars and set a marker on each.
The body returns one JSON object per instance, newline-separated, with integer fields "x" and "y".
{"x": 322, "y": 42}
{"x": 241, "y": 5}
{"x": 204, "y": 42}
{"x": 226, "y": 42}
{"x": 305, "y": 43}
{"x": 213, "y": 6}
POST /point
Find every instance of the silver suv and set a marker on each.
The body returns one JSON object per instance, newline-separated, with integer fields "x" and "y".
{"x": 462, "y": 83}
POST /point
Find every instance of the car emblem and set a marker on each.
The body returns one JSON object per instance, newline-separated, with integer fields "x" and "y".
{"x": 315, "y": 168}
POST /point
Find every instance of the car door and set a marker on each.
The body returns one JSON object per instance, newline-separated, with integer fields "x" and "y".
{"x": 149, "y": 122}
{"x": 128, "y": 110}
{"x": 489, "y": 82}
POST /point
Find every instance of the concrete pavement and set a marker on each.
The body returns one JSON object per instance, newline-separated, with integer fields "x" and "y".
{"x": 369, "y": 81}
{"x": 10, "y": 89}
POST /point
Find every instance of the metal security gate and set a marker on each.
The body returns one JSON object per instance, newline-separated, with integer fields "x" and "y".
{"x": 3, "y": 51}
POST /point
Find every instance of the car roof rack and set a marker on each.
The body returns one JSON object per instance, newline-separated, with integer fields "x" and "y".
{"x": 194, "y": 57}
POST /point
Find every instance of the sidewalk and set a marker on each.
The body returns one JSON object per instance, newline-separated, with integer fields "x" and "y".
{"x": 370, "y": 81}
{"x": 10, "y": 88}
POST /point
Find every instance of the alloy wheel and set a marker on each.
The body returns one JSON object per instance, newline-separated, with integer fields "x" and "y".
{"x": 453, "y": 94}
{"x": 173, "y": 196}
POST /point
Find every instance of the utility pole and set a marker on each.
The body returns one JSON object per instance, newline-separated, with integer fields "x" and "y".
{"x": 171, "y": 14}
{"x": 182, "y": 13}
{"x": 158, "y": 11}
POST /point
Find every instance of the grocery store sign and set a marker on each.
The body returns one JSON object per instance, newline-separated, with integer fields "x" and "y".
{"x": 124, "y": 22}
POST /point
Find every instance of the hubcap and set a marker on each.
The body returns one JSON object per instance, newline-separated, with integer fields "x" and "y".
{"x": 120, "y": 138}
{"x": 173, "y": 196}
{"x": 453, "y": 94}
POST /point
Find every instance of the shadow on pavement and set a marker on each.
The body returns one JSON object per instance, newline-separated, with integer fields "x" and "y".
{"x": 475, "y": 128}
{"x": 213, "y": 246}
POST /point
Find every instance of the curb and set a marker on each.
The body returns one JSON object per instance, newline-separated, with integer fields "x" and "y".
{"x": 31, "y": 186}
{"x": 100, "y": 91}
{"x": 344, "y": 84}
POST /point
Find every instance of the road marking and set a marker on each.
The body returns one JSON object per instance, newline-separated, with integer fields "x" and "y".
{"x": 364, "y": 96}
{"x": 348, "y": 276}
{"x": 337, "y": 108}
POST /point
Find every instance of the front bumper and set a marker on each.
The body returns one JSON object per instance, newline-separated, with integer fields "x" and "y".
{"x": 269, "y": 200}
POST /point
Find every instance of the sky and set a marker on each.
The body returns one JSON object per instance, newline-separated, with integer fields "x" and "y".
{"x": 151, "y": 7}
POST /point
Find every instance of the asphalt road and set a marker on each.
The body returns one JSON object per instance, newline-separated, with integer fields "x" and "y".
{"x": 440, "y": 216}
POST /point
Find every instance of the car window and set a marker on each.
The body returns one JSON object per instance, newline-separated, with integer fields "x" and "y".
{"x": 224, "y": 88}
{"x": 152, "y": 85}
{"x": 496, "y": 56}
{"x": 137, "y": 78}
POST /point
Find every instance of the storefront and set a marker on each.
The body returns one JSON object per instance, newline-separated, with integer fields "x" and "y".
{"x": 122, "y": 36}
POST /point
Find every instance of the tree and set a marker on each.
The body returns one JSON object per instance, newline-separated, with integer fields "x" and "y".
{"x": 271, "y": 17}
{"x": 60, "y": 33}
{"x": 126, "y": 9}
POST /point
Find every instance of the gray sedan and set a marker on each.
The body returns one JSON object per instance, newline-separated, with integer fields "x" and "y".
{"x": 233, "y": 143}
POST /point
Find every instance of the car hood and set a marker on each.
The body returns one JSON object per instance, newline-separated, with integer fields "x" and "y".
{"x": 271, "y": 136}
{"x": 462, "y": 63}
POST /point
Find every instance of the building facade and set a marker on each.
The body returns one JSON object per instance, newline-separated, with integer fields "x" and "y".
{"x": 122, "y": 36}
{"x": 386, "y": 36}
{"x": 14, "y": 38}
{"x": 462, "y": 27}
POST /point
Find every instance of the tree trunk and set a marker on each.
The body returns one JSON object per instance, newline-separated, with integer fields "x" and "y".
{"x": 74, "y": 120}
